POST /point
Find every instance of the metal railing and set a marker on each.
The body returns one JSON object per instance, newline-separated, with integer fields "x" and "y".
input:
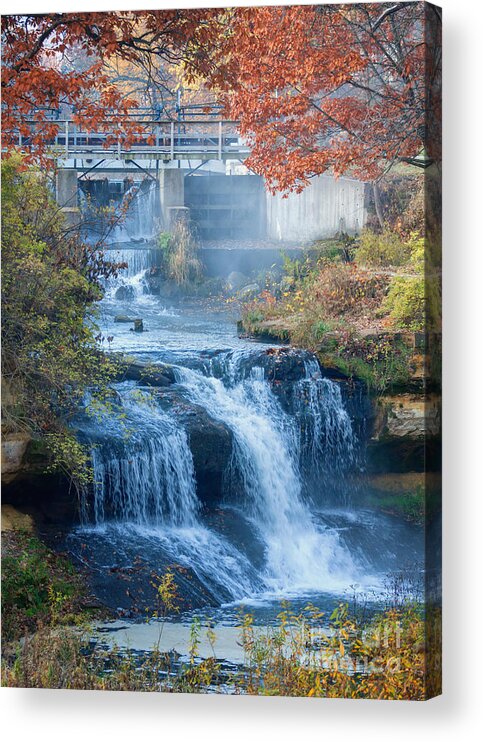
{"x": 163, "y": 139}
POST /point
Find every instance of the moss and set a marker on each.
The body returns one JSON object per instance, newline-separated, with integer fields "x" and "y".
{"x": 407, "y": 505}
{"x": 39, "y": 587}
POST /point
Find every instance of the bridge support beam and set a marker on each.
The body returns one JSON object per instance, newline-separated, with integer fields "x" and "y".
{"x": 171, "y": 193}
{"x": 67, "y": 196}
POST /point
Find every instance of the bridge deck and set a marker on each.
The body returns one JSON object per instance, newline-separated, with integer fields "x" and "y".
{"x": 159, "y": 140}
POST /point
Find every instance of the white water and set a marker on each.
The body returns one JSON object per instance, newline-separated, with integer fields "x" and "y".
{"x": 143, "y": 470}
{"x": 300, "y": 555}
{"x": 131, "y": 278}
{"x": 328, "y": 436}
{"x": 139, "y": 222}
{"x": 145, "y": 491}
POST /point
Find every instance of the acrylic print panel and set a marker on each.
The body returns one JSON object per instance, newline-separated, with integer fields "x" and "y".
{"x": 221, "y": 340}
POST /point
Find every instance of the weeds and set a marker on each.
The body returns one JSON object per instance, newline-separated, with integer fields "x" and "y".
{"x": 180, "y": 254}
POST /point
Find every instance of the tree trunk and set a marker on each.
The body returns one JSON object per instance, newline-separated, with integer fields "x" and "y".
{"x": 377, "y": 203}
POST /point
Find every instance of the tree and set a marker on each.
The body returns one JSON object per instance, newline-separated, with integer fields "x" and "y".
{"x": 50, "y": 281}
{"x": 341, "y": 89}
{"x": 344, "y": 88}
{"x": 40, "y": 70}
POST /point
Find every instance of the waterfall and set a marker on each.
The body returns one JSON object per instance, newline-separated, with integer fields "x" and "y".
{"x": 143, "y": 467}
{"x": 139, "y": 223}
{"x": 131, "y": 280}
{"x": 328, "y": 439}
{"x": 300, "y": 554}
{"x": 144, "y": 478}
{"x": 144, "y": 491}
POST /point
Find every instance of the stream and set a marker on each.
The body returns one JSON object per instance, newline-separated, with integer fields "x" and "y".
{"x": 242, "y": 477}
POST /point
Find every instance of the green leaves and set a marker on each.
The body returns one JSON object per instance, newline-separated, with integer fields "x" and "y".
{"x": 50, "y": 354}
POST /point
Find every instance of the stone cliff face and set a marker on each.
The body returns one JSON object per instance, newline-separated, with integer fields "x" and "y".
{"x": 401, "y": 431}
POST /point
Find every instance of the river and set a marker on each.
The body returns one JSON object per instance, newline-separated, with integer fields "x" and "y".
{"x": 279, "y": 521}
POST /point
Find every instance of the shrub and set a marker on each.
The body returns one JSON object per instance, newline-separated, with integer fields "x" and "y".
{"x": 382, "y": 250}
{"x": 406, "y": 302}
{"x": 38, "y": 586}
{"x": 50, "y": 282}
{"x": 414, "y": 296}
{"x": 341, "y": 288}
{"x": 180, "y": 258}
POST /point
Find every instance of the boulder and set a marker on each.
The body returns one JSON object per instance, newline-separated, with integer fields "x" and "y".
{"x": 211, "y": 444}
{"x": 249, "y": 292}
{"x": 236, "y": 281}
{"x": 125, "y": 318}
{"x": 14, "y": 447}
{"x": 14, "y": 520}
{"x": 148, "y": 374}
{"x": 125, "y": 293}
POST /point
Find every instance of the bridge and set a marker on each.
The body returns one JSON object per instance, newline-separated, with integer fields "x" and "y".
{"x": 168, "y": 152}
{"x": 158, "y": 140}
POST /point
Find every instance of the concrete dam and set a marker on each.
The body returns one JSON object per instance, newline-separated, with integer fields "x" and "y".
{"x": 224, "y": 207}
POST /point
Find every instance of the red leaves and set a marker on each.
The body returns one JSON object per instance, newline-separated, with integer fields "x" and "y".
{"x": 315, "y": 88}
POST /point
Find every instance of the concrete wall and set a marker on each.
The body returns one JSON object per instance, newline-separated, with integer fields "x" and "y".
{"x": 66, "y": 195}
{"x": 325, "y": 207}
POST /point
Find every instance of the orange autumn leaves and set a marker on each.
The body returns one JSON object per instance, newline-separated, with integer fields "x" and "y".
{"x": 344, "y": 89}
{"x": 328, "y": 88}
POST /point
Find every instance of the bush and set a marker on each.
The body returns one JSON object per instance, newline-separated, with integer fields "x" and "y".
{"x": 180, "y": 254}
{"x": 406, "y": 303}
{"x": 38, "y": 586}
{"x": 340, "y": 288}
{"x": 382, "y": 250}
{"x": 50, "y": 281}
{"x": 414, "y": 297}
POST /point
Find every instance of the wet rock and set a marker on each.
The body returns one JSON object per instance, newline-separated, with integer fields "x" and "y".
{"x": 236, "y": 281}
{"x": 211, "y": 444}
{"x": 249, "y": 292}
{"x": 124, "y": 318}
{"x": 283, "y": 365}
{"x": 125, "y": 293}
{"x": 148, "y": 374}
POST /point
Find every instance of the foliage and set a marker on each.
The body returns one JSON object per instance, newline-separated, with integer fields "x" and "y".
{"x": 383, "y": 361}
{"x": 384, "y": 659}
{"x": 402, "y": 201}
{"x": 180, "y": 254}
{"x": 382, "y": 249}
{"x": 409, "y": 505}
{"x": 337, "y": 88}
{"x": 50, "y": 349}
{"x": 302, "y": 655}
{"x": 406, "y": 302}
{"x": 413, "y": 300}
{"x": 315, "y": 89}
{"x": 38, "y": 586}
{"x": 38, "y": 76}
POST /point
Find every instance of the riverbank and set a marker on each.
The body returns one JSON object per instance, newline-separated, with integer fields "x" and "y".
{"x": 49, "y": 641}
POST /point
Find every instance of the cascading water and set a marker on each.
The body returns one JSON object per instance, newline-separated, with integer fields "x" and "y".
{"x": 144, "y": 490}
{"x": 329, "y": 443}
{"x": 131, "y": 280}
{"x": 139, "y": 223}
{"x": 299, "y": 553}
{"x": 143, "y": 468}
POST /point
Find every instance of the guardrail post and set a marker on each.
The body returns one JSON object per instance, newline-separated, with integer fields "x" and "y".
{"x": 172, "y": 140}
{"x": 67, "y": 138}
{"x": 220, "y": 141}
